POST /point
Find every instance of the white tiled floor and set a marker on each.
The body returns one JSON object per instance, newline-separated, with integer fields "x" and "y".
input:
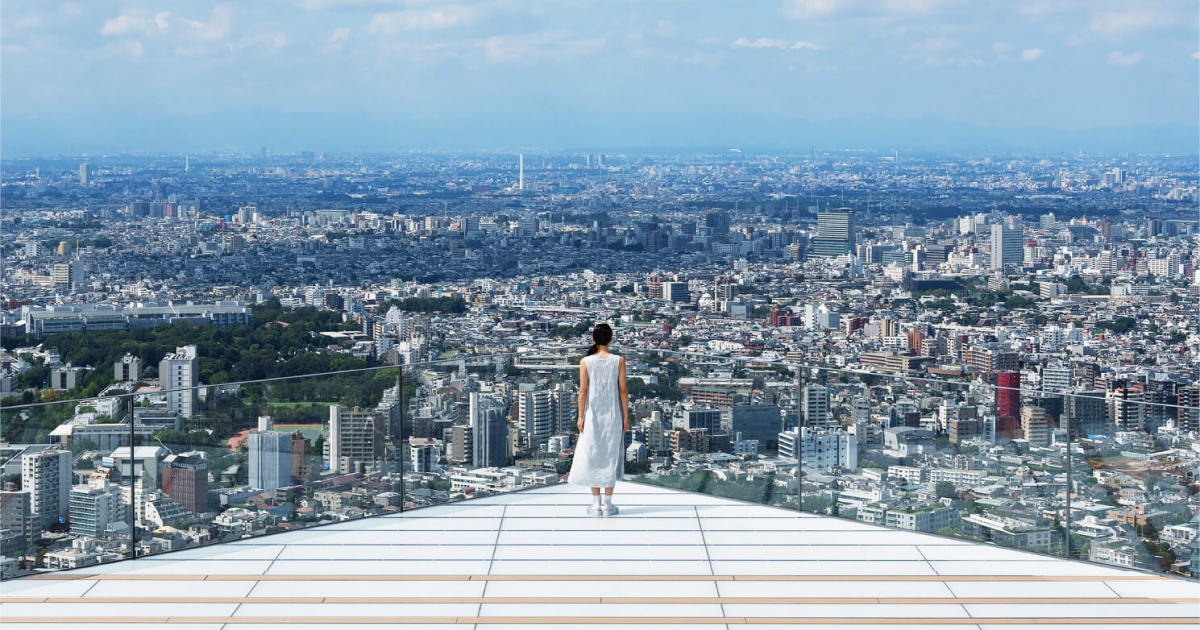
{"x": 546, "y": 532}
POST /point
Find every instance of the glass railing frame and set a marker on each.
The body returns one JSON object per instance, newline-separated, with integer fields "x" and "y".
{"x": 798, "y": 368}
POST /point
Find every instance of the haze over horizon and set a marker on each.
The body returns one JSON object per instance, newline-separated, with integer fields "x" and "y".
{"x": 372, "y": 75}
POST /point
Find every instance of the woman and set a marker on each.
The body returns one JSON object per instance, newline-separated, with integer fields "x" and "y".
{"x": 603, "y": 420}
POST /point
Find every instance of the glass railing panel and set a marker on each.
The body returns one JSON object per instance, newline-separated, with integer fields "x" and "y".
{"x": 929, "y": 454}
{"x": 67, "y": 482}
{"x": 1137, "y": 503}
{"x": 711, "y": 424}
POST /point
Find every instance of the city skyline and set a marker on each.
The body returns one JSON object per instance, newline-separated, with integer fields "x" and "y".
{"x": 327, "y": 75}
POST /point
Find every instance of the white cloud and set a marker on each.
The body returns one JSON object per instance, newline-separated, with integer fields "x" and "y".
{"x": 764, "y": 42}
{"x": 1118, "y": 58}
{"x": 268, "y": 40}
{"x": 161, "y": 20}
{"x": 69, "y": 8}
{"x": 218, "y": 26}
{"x": 1034, "y": 8}
{"x": 1001, "y": 48}
{"x": 1196, "y": 55}
{"x": 1130, "y": 21}
{"x": 801, "y": 45}
{"x": 761, "y": 42}
{"x": 1031, "y": 54}
{"x": 29, "y": 21}
{"x": 808, "y": 9}
{"x": 664, "y": 28}
{"x": 126, "y": 47}
{"x": 339, "y": 35}
{"x": 804, "y": 9}
{"x": 555, "y": 45}
{"x": 123, "y": 25}
{"x": 424, "y": 20}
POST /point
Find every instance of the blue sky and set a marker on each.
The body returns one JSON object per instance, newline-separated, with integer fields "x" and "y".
{"x": 375, "y": 74}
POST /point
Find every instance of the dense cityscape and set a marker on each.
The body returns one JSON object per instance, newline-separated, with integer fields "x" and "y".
{"x": 981, "y": 346}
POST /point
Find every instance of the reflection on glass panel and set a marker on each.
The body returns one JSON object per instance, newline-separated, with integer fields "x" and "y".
{"x": 67, "y": 484}
{"x": 1137, "y": 496}
{"x": 712, "y": 425}
{"x": 932, "y": 455}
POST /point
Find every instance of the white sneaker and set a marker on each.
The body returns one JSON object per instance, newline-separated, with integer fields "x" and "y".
{"x": 595, "y": 510}
{"x": 609, "y": 510}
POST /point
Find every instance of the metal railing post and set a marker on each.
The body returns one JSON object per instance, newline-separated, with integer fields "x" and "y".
{"x": 403, "y": 413}
{"x": 800, "y": 421}
{"x": 1069, "y": 485}
{"x": 132, "y": 479}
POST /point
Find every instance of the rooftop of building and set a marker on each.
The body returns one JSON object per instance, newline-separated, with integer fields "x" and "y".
{"x": 536, "y": 559}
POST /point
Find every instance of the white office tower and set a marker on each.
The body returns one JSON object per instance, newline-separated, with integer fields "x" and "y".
{"x": 356, "y": 438}
{"x": 565, "y": 400}
{"x": 46, "y": 475}
{"x": 265, "y": 423}
{"x": 1007, "y": 246}
{"x": 179, "y": 373}
{"x": 535, "y": 417}
{"x": 490, "y": 432}
{"x": 393, "y": 322}
{"x": 820, "y": 448}
{"x": 94, "y": 505}
{"x": 815, "y": 404}
{"x": 270, "y": 455}
{"x": 521, "y": 172}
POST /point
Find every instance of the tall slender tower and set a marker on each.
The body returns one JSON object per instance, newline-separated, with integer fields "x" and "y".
{"x": 521, "y": 172}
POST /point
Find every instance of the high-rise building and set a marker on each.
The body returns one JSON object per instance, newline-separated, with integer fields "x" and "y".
{"x": 1125, "y": 407}
{"x": 94, "y": 506}
{"x": 535, "y": 417}
{"x": 1035, "y": 425}
{"x": 815, "y": 406}
{"x": 1086, "y": 414}
{"x": 179, "y": 374}
{"x": 717, "y": 222}
{"x": 71, "y": 275}
{"x": 356, "y": 438}
{"x": 1188, "y": 418}
{"x": 460, "y": 444}
{"x": 702, "y": 418}
{"x": 490, "y": 433}
{"x": 756, "y": 422}
{"x": 185, "y": 479}
{"x": 1057, "y": 379}
{"x": 423, "y": 453}
{"x": 521, "y": 172}
{"x": 564, "y": 400}
{"x": 835, "y": 233}
{"x": 84, "y": 172}
{"x": 676, "y": 292}
{"x": 1161, "y": 398}
{"x": 1008, "y": 405}
{"x": 46, "y": 475}
{"x": 20, "y": 526}
{"x": 1007, "y": 246}
{"x": 127, "y": 369}
{"x": 820, "y": 448}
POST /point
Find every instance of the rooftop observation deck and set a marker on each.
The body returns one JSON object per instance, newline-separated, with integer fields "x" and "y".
{"x": 534, "y": 559}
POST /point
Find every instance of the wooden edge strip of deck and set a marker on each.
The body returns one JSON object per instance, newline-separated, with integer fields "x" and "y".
{"x": 607, "y": 578}
{"x": 596, "y": 600}
{"x": 930, "y": 621}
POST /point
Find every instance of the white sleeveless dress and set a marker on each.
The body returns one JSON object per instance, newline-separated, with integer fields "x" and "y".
{"x": 599, "y": 455}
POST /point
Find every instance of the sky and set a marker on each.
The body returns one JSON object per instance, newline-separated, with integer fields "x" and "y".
{"x": 790, "y": 75}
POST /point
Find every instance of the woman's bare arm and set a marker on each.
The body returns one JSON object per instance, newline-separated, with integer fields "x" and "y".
{"x": 624, "y": 393}
{"x": 583, "y": 391}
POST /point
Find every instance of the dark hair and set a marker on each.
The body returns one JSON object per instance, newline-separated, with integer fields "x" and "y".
{"x": 601, "y": 336}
